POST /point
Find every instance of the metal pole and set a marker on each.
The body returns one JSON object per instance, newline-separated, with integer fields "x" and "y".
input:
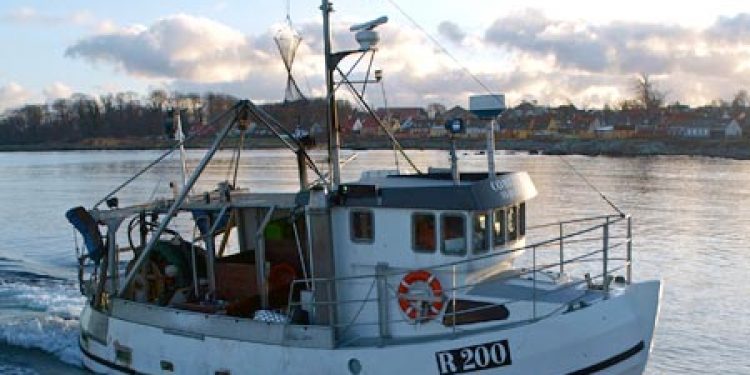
{"x": 454, "y": 162}
{"x": 333, "y": 126}
{"x": 381, "y": 270}
{"x": 260, "y": 257}
{"x": 491, "y": 150}
{"x": 310, "y": 253}
{"x": 302, "y": 169}
{"x": 180, "y": 137}
{"x": 175, "y": 206}
{"x": 562, "y": 256}
{"x": 605, "y": 256}
{"x": 453, "y": 298}
{"x": 533, "y": 255}
{"x": 630, "y": 251}
{"x": 113, "y": 256}
{"x": 208, "y": 240}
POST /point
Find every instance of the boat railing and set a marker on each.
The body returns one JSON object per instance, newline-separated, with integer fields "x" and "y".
{"x": 597, "y": 247}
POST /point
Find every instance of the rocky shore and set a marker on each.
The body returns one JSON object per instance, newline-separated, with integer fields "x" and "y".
{"x": 734, "y": 149}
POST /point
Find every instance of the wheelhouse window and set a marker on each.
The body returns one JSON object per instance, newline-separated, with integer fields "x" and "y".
{"x": 362, "y": 226}
{"x": 453, "y": 234}
{"x": 512, "y": 223}
{"x": 522, "y": 219}
{"x": 423, "y": 232}
{"x": 480, "y": 232}
{"x": 499, "y": 227}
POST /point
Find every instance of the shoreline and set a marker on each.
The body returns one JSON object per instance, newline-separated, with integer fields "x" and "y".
{"x": 730, "y": 149}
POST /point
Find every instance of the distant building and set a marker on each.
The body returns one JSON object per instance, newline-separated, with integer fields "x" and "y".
{"x": 695, "y": 128}
{"x": 732, "y": 129}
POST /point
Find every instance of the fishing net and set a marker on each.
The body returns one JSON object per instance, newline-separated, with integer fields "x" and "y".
{"x": 288, "y": 41}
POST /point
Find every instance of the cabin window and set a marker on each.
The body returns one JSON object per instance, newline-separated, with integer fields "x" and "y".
{"x": 423, "y": 232}
{"x": 362, "y": 226}
{"x": 480, "y": 232}
{"x": 522, "y": 219}
{"x": 453, "y": 229}
{"x": 512, "y": 223}
{"x": 499, "y": 227}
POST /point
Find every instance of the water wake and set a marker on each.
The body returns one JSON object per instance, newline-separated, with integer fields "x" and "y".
{"x": 41, "y": 314}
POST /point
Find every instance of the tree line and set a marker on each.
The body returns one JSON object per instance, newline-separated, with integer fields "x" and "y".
{"x": 127, "y": 114}
{"x": 119, "y": 115}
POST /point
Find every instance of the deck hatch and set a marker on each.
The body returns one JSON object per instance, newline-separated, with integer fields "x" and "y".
{"x": 166, "y": 366}
{"x": 467, "y": 312}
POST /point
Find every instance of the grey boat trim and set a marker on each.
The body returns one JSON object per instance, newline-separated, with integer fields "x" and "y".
{"x": 436, "y": 191}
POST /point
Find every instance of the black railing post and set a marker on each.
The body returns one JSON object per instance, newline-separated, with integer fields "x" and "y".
{"x": 630, "y": 251}
{"x": 605, "y": 257}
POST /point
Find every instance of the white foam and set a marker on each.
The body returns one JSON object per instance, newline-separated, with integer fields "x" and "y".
{"x": 55, "y": 298}
{"x": 50, "y": 321}
{"x": 49, "y": 333}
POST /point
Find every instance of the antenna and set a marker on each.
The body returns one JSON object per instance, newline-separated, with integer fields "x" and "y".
{"x": 365, "y": 35}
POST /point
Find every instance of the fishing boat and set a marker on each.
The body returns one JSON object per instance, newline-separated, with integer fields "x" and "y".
{"x": 414, "y": 272}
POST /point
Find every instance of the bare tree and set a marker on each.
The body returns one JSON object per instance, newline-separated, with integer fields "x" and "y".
{"x": 740, "y": 102}
{"x": 647, "y": 93}
{"x": 158, "y": 98}
{"x": 648, "y": 96}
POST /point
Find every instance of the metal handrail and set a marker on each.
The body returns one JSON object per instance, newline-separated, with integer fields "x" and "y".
{"x": 580, "y": 220}
{"x": 475, "y": 258}
{"x": 587, "y": 257}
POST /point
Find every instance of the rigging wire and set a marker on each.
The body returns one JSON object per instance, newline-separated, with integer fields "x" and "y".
{"x": 174, "y": 147}
{"x": 440, "y": 46}
{"x": 276, "y": 128}
{"x": 387, "y": 131}
{"x": 240, "y": 145}
{"x": 601, "y": 194}
{"x": 156, "y": 187}
{"x": 487, "y": 89}
{"x": 388, "y": 118}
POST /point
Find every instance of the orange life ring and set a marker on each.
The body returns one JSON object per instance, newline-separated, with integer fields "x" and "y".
{"x": 420, "y": 309}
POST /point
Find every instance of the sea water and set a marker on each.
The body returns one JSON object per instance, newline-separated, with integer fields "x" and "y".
{"x": 691, "y": 221}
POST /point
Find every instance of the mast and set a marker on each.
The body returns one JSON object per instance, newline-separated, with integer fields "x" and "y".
{"x": 180, "y": 137}
{"x": 333, "y": 125}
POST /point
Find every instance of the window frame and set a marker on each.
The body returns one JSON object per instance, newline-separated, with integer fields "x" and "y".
{"x": 436, "y": 230}
{"x": 487, "y": 232}
{"x": 511, "y": 236}
{"x": 461, "y": 215}
{"x": 503, "y": 227}
{"x": 352, "y": 214}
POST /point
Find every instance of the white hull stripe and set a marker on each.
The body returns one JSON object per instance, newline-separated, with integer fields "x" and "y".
{"x": 609, "y": 362}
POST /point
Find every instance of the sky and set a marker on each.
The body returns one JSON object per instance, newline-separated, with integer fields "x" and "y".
{"x": 588, "y": 53}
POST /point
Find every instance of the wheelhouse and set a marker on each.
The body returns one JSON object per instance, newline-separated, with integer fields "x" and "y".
{"x": 421, "y": 220}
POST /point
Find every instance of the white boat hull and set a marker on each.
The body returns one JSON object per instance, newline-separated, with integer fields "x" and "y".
{"x": 613, "y": 336}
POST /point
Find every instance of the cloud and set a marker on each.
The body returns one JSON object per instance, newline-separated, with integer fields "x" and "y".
{"x": 451, "y": 31}
{"x": 717, "y": 55}
{"x": 731, "y": 29}
{"x": 13, "y": 95}
{"x": 623, "y": 47}
{"x": 57, "y": 90}
{"x": 524, "y": 55}
{"x": 177, "y": 47}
